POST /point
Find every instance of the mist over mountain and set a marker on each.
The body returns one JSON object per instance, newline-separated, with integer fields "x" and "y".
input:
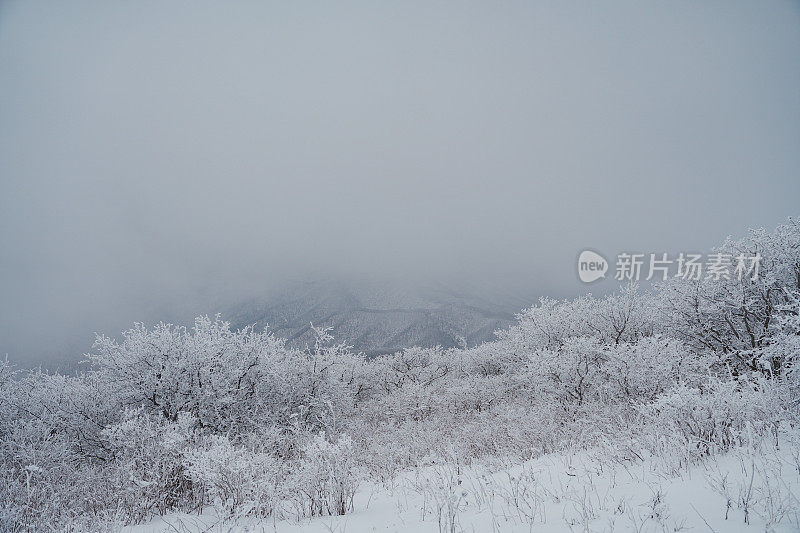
{"x": 159, "y": 162}
{"x": 379, "y": 316}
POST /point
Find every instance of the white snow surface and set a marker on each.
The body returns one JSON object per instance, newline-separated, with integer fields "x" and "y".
{"x": 581, "y": 491}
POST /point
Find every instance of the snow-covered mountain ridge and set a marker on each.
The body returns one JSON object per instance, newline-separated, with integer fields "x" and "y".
{"x": 378, "y": 317}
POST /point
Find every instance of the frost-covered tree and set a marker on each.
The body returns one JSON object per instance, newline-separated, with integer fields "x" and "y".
{"x": 223, "y": 378}
{"x": 781, "y": 357}
{"x": 620, "y": 317}
{"x": 325, "y": 382}
{"x": 732, "y": 315}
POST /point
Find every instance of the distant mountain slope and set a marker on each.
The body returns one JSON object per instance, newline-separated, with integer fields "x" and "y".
{"x": 378, "y": 317}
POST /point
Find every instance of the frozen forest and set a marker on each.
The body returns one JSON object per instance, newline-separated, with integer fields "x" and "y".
{"x": 671, "y": 407}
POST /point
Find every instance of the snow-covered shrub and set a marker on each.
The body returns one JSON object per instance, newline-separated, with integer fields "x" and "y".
{"x": 52, "y": 456}
{"x": 326, "y": 477}
{"x": 642, "y": 370}
{"x": 323, "y": 384}
{"x": 420, "y": 366}
{"x": 474, "y": 393}
{"x": 733, "y": 316}
{"x": 46, "y": 484}
{"x": 75, "y": 409}
{"x": 7, "y": 389}
{"x": 621, "y": 317}
{"x": 31, "y": 467}
{"x": 148, "y": 460}
{"x": 718, "y": 415}
{"x": 780, "y": 359}
{"x": 240, "y": 481}
{"x": 221, "y": 377}
{"x": 489, "y": 359}
{"x": 572, "y": 373}
{"x": 412, "y": 384}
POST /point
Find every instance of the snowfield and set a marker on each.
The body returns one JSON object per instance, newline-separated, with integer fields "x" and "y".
{"x": 738, "y": 491}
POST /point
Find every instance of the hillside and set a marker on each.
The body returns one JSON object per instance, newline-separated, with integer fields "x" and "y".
{"x": 379, "y": 317}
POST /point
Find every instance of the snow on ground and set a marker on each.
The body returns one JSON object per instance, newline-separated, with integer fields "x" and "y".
{"x": 558, "y": 492}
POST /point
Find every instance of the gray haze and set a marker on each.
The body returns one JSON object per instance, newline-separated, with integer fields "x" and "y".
{"x": 161, "y": 159}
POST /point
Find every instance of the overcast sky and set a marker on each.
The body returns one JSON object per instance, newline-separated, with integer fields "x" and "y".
{"x": 155, "y": 154}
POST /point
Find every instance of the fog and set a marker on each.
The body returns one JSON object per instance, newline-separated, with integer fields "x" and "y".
{"x": 162, "y": 158}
